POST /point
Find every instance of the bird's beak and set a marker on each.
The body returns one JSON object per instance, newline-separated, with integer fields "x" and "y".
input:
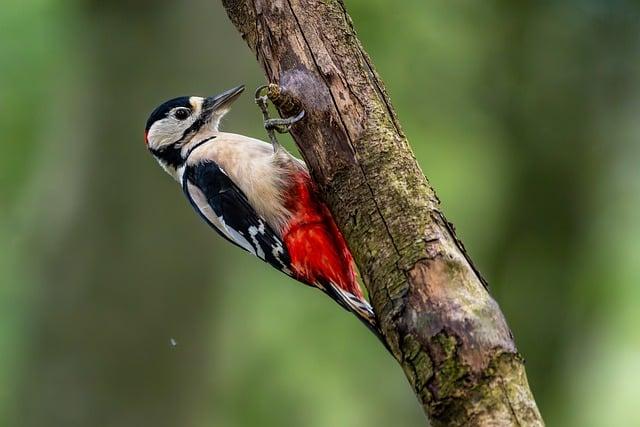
{"x": 220, "y": 102}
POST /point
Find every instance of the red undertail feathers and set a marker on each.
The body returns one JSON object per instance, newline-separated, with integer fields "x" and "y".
{"x": 318, "y": 251}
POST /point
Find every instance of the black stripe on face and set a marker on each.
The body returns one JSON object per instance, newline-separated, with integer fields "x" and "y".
{"x": 209, "y": 106}
{"x": 195, "y": 127}
{"x": 171, "y": 155}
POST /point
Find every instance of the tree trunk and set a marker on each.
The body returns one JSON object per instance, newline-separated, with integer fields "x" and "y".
{"x": 442, "y": 325}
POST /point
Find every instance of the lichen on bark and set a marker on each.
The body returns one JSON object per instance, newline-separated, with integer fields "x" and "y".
{"x": 443, "y": 327}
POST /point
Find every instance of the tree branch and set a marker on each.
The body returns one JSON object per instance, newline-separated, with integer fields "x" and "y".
{"x": 442, "y": 325}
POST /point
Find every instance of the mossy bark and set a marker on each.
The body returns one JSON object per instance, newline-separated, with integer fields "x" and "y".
{"x": 436, "y": 314}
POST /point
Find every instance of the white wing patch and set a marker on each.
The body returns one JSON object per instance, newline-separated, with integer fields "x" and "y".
{"x": 276, "y": 251}
{"x": 253, "y": 232}
{"x": 200, "y": 201}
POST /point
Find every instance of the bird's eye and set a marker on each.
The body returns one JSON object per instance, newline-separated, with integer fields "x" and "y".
{"x": 182, "y": 113}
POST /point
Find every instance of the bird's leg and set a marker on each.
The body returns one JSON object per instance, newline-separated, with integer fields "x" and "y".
{"x": 283, "y": 125}
{"x": 271, "y": 125}
{"x": 261, "y": 101}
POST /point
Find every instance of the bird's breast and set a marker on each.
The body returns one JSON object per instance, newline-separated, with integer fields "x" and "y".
{"x": 262, "y": 175}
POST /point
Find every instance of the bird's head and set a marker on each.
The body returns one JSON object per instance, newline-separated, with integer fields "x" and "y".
{"x": 182, "y": 122}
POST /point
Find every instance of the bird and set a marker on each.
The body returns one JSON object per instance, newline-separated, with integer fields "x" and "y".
{"x": 256, "y": 196}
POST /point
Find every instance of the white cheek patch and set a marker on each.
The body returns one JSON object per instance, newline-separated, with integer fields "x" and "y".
{"x": 167, "y": 131}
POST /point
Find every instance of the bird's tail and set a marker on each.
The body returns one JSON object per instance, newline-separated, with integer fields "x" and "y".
{"x": 358, "y": 306}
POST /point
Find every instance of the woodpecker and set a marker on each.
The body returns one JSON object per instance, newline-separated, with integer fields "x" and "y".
{"x": 258, "y": 198}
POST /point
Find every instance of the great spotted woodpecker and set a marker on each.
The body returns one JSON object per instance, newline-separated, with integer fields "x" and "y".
{"x": 259, "y": 198}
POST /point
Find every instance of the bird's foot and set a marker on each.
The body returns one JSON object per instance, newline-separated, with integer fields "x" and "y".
{"x": 273, "y": 125}
{"x": 282, "y": 125}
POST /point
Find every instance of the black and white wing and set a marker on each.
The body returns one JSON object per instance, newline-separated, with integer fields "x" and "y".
{"x": 226, "y": 209}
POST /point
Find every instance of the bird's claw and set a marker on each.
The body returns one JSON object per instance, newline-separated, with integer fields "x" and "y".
{"x": 283, "y": 125}
{"x": 271, "y": 125}
{"x": 261, "y": 100}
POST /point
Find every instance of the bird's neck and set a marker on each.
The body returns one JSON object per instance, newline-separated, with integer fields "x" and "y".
{"x": 173, "y": 158}
{"x": 197, "y": 140}
{"x": 170, "y": 157}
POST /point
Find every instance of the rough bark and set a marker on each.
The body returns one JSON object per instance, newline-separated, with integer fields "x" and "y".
{"x": 438, "y": 318}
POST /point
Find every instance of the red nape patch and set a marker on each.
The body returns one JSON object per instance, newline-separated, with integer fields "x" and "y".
{"x": 316, "y": 246}
{"x": 146, "y": 137}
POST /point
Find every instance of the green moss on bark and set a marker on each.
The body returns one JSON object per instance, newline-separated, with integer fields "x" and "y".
{"x": 446, "y": 331}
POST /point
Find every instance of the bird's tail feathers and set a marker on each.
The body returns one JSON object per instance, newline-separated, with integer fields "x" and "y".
{"x": 358, "y": 306}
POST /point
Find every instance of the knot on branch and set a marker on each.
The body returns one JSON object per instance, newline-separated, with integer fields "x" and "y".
{"x": 285, "y": 101}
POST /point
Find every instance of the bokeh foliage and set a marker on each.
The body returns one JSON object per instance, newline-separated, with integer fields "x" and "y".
{"x": 522, "y": 114}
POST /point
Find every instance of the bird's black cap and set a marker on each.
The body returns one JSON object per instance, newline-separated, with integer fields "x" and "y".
{"x": 161, "y": 112}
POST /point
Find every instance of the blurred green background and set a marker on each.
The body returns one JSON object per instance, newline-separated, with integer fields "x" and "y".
{"x": 524, "y": 115}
